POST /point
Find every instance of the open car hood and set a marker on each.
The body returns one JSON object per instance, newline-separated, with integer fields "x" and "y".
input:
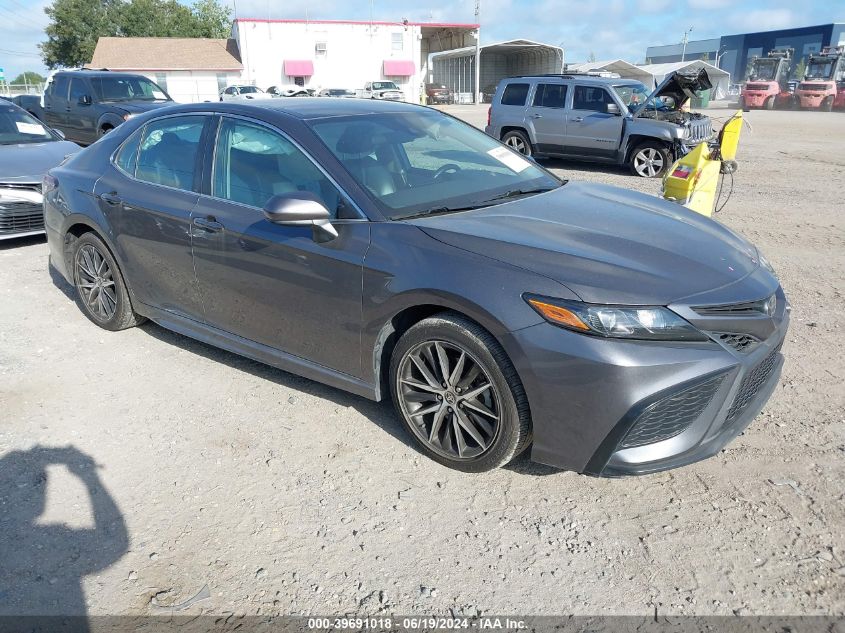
{"x": 679, "y": 86}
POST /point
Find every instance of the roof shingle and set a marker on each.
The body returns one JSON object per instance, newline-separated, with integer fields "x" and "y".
{"x": 166, "y": 53}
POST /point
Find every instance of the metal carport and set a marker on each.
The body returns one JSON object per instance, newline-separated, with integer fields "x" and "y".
{"x": 455, "y": 69}
{"x": 624, "y": 69}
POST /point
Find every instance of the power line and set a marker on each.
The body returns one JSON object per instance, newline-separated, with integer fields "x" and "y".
{"x": 21, "y": 20}
{"x": 18, "y": 53}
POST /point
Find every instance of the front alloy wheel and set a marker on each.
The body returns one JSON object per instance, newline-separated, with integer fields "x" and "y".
{"x": 458, "y": 394}
{"x": 518, "y": 141}
{"x": 650, "y": 160}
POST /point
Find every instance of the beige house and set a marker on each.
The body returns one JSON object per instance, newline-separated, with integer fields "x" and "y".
{"x": 189, "y": 69}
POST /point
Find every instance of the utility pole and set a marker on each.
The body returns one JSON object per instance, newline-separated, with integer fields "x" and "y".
{"x": 686, "y": 39}
{"x": 477, "y": 73}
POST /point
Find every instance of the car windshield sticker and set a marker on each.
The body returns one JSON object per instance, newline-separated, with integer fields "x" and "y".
{"x": 29, "y": 128}
{"x": 509, "y": 159}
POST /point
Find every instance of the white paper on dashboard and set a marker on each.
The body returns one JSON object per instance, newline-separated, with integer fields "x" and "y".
{"x": 29, "y": 128}
{"x": 509, "y": 159}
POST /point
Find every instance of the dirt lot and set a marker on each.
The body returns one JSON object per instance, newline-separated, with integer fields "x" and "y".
{"x": 285, "y": 496}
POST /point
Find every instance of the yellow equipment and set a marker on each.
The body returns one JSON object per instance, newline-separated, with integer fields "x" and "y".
{"x": 692, "y": 179}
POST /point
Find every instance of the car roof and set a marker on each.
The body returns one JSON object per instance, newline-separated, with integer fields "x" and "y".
{"x": 300, "y": 108}
{"x": 616, "y": 81}
{"x": 96, "y": 73}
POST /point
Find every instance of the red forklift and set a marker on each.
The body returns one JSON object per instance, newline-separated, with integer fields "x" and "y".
{"x": 768, "y": 82}
{"x": 823, "y": 84}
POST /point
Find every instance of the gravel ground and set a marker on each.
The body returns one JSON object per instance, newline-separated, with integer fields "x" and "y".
{"x": 284, "y": 496}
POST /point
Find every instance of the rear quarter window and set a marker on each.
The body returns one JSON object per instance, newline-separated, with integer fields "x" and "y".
{"x": 515, "y": 94}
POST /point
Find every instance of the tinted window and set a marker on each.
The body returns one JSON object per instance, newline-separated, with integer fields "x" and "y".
{"x": 17, "y": 126}
{"x": 550, "y": 95}
{"x": 253, "y": 163}
{"x": 590, "y": 98}
{"x": 127, "y": 89}
{"x": 515, "y": 94}
{"x": 127, "y": 157}
{"x": 77, "y": 89}
{"x": 59, "y": 86}
{"x": 169, "y": 151}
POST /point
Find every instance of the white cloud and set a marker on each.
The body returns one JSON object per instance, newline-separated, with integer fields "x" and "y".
{"x": 763, "y": 20}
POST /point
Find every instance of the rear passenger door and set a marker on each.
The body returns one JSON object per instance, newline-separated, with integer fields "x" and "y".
{"x": 271, "y": 284}
{"x": 148, "y": 195}
{"x": 547, "y": 117}
{"x": 55, "y": 105}
{"x": 591, "y": 130}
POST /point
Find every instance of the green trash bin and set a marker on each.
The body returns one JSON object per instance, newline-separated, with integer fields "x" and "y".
{"x": 702, "y": 100}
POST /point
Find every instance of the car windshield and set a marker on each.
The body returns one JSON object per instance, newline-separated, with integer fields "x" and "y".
{"x": 424, "y": 162}
{"x": 632, "y": 94}
{"x": 127, "y": 89}
{"x": 384, "y": 85}
{"x": 17, "y": 127}
{"x": 819, "y": 70}
{"x": 340, "y": 91}
{"x": 763, "y": 71}
{"x": 248, "y": 90}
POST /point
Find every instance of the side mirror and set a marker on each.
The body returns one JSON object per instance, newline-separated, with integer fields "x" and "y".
{"x": 85, "y": 100}
{"x": 612, "y": 108}
{"x": 301, "y": 208}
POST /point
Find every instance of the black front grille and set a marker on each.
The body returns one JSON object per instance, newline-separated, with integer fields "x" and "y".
{"x": 671, "y": 415}
{"x": 749, "y": 308}
{"x": 751, "y": 385}
{"x": 21, "y": 217}
{"x": 740, "y": 342}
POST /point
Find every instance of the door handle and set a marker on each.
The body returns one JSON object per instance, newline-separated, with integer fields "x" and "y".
{"x": 111, "y": 198}
{"x": 578, "y": 119}
{"x": 536, "y": 116}
{"x": 209, "y": 224}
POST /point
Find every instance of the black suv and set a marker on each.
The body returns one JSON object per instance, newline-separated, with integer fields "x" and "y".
{"x": 85, "y": 104}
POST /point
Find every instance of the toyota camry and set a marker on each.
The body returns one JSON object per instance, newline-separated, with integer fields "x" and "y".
{"x": 395, "y": 252}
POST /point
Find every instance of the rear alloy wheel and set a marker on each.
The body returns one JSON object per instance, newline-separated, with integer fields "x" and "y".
{"x": 459, "y": 395}
{"x": 101, "y": 293}
{"x": 518, "y": 141}
{"x": 650, "y": 159}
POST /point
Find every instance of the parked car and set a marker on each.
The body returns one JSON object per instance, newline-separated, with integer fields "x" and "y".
{"x": 396, "y": 252}
{"x": 601, "y": 119}
{"x": 337, "y": 93}
{"x": 86, "y": 104}
{"x": 437, "y": 94}
{"x": 287, "y": 91}
{"x": 27, "y": 150}
{"x": 243, "y": 92}
{"x": 30, "y": 103}
{"x": 384, "y": 90}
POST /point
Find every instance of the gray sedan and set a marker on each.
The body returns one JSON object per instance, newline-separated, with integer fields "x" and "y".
{"x": 27, "y": 150}
{"x": 395, "y": 252}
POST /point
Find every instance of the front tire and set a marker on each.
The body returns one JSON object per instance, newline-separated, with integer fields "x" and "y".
{"x": 827, "y": 105}
{"x": 770, "y": 103}
{"x": 100, "y": 290}
{"x": 650, "y": 159}
{"x": 519, "y": 141}
{"x": 458, "y": 394}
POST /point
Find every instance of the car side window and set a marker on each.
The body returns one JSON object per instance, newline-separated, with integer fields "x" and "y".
{"x": 515, "y": 94}
{"x": 59, "y": 86}
{"x": 590, "y": 98}
{"x": 127, "y": 156}
{"x": 253, "y": 163}
{"x": 78, "y": 89}
{"x": 168, "y": 151}
{"x": 550, "y": 95}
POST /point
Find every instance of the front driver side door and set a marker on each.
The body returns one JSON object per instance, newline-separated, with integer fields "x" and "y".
{"x": 591, "y": 130}
{"x": 273, "y": 284}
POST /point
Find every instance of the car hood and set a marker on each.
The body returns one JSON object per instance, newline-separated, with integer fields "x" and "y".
{"x": 28, "y": 162}
{"x": 606, "y": 244}
{"x": 139, "y": 107}
{"x": 680, "y": 86}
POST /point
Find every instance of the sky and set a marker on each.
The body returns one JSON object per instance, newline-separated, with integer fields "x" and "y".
{"x": 608, "y": 29}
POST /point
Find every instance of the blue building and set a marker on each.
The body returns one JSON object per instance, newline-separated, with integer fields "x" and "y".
{"x": 733, "y": 53}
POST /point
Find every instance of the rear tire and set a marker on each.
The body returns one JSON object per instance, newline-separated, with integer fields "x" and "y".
{"x": 650, "y": 159}
{"x": 518, "y": 141}
{"x": 463, "y": 425}
{"x": 770, "y": 103}
{"x": 100, "y": 290}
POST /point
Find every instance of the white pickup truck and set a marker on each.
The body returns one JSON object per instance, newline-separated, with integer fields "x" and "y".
{"x": 386, "y": 90}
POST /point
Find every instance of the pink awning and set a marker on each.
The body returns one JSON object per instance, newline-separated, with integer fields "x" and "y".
{"x": 398, "y": 68}
{"x": 299, "y": 67}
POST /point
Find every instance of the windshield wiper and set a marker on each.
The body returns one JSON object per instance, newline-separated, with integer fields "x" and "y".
{"x": 514, "y": 193}
{"x": 442, "y": 211}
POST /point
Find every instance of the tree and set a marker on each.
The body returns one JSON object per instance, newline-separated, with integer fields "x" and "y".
{"x": 29, "y": 77}
{"x": 800, "y": 68}
{"x": 76, "y": 25}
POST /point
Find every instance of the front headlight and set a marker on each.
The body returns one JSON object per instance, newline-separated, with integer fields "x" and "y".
{"x": 631, "y": 322}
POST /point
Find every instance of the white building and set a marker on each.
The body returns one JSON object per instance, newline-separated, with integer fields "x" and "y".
{"x": 341, "y": 54}
{"x": 189, "y": 69}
